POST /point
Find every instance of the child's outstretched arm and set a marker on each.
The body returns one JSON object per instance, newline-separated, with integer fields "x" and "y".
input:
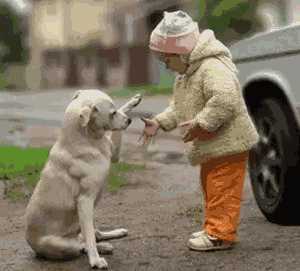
{"x": 167, "y": 119}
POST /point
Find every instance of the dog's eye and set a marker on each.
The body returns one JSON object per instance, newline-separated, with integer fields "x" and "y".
{"x": 113, "y": 113}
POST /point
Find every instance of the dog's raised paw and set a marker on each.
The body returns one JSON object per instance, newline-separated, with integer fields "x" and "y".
{"x": 137, "y": 99}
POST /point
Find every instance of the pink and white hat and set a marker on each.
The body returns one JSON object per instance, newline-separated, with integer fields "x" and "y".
{"x": 176, "y": 33}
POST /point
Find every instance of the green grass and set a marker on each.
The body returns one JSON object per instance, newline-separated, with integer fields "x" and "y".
{"x": 117, "y": 176}
{"x": 148, "y": 90}
{"x": 163, "y": 87}
{"x": 3, "y": 82}
{"x": 15, "y": 195}
{"x": 22, "y": 166}
{"x": 22, "y": 162}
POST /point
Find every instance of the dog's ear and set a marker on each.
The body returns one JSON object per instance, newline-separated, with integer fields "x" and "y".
{"x": 76, "y": 94}
{"x": 96, "y": 108}
{"x": 85, "y": 114}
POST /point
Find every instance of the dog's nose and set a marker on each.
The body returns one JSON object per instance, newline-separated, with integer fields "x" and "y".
{"x": 129, "y": 121}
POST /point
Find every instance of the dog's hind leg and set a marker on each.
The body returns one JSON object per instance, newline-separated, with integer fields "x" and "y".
{"x": 118, "y": 233}
{"x": 59, "y": 248}
{"x": 102, "y": 247}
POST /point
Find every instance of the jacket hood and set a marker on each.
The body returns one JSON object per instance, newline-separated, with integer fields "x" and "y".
{"x": 208, "y": 46}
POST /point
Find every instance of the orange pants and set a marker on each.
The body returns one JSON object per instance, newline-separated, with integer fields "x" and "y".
{"x": 222, "y": 182}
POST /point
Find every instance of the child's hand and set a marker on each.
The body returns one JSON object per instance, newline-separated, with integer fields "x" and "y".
{"x": 150, "y": 130}
{"x": 195, "y": 132}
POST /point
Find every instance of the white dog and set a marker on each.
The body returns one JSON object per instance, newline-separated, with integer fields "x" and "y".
{"x": 59, "y": 216}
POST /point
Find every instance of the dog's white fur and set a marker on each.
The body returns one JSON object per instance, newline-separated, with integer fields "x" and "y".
{"x": 59, "y": 216}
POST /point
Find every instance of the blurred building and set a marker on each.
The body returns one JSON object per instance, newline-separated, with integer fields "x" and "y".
{"x": 274, "y": 14}
{"x": 92, "y": 43}
{"x": 293, "y": 10}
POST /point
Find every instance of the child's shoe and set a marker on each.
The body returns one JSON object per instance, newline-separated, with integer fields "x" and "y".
{"x": 205, "y": 242}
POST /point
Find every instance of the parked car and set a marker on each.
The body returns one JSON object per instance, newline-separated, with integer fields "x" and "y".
{"x": 269, "y": 72}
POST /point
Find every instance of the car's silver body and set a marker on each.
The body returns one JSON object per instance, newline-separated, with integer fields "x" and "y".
{"x": 273, "y": 58}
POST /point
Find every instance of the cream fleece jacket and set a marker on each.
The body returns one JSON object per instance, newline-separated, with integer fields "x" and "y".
{"x": 209, "y": 93}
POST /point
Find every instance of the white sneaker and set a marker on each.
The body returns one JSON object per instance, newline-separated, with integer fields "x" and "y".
{"x": 206, "y": 242}
{"x": 197, "y": 234}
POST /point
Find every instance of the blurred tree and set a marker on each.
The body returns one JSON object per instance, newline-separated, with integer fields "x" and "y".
{"x": 12, "y": 48}
{"x": 230, "y": 19}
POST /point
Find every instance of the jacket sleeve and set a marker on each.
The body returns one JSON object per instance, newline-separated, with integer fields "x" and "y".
{"x": 167, "y": 119}
{"x": 221, "y": 94}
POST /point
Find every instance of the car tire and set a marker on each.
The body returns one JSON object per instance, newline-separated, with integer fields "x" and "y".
{"x": 274, "y": 163}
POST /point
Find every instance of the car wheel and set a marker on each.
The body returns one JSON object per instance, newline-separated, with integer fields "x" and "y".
{"x": 273, "y": 163}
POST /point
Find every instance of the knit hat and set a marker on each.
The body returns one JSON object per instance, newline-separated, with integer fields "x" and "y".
{"x": 176, "y": 33}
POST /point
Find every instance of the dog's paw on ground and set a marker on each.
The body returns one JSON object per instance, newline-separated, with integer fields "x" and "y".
{"x": 98, "y": 263}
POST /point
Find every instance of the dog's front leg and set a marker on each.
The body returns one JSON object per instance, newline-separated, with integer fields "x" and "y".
{"x": 86, "y": 215}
